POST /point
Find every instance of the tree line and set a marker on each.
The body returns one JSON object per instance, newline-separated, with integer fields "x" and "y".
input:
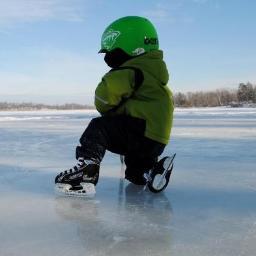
{"x": 244, "y": 94}
{"x": 33, "y": 106}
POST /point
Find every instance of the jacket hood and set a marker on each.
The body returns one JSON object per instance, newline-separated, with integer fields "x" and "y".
{"x": 152, "y": 63}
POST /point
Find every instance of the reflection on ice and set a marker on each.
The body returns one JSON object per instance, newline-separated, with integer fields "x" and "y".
{"x": 138, "y": 225}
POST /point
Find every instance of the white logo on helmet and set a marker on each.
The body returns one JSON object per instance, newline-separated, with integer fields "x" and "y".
{"x": 109, "y": 38}
{"x": 138, "y": 51}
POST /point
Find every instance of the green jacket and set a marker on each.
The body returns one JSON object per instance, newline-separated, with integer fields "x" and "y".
{"x": 152, "y": 101}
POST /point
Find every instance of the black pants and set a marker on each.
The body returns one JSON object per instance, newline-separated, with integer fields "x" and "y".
{"x": 123, "y": 135}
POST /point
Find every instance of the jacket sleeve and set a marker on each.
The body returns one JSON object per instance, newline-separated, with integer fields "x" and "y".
{"x": 114, "y": 87}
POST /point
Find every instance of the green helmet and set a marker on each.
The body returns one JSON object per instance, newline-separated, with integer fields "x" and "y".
{"x": 134, "y": 35}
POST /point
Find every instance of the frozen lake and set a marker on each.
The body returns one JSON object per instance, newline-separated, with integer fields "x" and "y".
{"x": 208, "y": 209}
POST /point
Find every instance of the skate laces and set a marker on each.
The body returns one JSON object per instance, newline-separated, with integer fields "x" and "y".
{"x": 80, "y": 164}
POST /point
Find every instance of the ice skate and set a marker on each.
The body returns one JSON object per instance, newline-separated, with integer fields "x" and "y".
{"x": 158, "y": 178}
{"x": 79, "y": 180}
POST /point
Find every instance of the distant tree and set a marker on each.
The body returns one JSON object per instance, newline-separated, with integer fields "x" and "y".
{"x": 250, "y": 91}
{"x": 214, "y": 99}
{"x": 246, "y": 92}
{"x": 32, "y": 106}
{"x": 220, "y": 97}
{"x": 226, "y": 97}
{"x": 254, "y": 94}
{"x": 180, "y": 99}
{"x": 241, "y": 93}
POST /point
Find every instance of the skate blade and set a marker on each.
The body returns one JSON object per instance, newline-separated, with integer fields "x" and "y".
{"x": 88, "y": 190}
{"x": 168, "y": 162}
{"x": 159, "y": 182}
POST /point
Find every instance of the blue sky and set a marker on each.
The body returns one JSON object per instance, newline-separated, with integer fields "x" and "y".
{"x": 48, "y": 48}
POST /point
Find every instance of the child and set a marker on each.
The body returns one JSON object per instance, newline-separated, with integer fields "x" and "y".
{"x": 135, "y": 104}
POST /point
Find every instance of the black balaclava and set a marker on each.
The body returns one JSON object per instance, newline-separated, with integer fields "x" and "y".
{"x": 116, "y": 57}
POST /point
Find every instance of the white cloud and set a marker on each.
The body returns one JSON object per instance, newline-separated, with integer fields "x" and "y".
{"x": 15, "y": 11}
{"x": 54, "y": 72}
{"x": 159, "y": 13}
{"x": 11, "y": 82}
{"x": 174, "y": 11}
{"x": 169, "y": 12}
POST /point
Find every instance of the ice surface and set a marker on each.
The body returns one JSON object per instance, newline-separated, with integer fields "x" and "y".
{"x": 209, "y": 208}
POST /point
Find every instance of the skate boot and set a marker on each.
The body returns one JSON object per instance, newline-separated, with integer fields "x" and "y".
{"x": 79, "y": 180}
{"x": 158, "y": 178}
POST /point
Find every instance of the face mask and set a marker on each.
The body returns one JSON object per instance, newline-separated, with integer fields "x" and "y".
{"x": 116, "y": 58}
